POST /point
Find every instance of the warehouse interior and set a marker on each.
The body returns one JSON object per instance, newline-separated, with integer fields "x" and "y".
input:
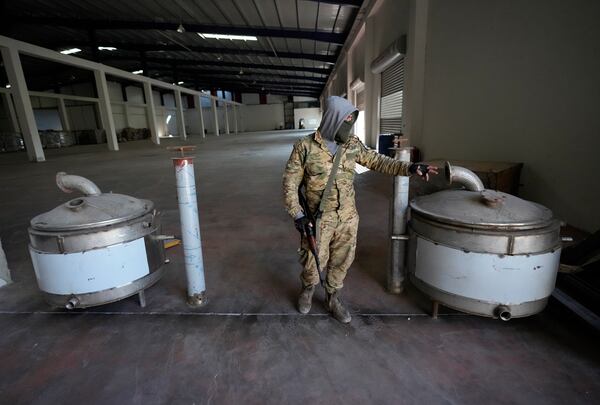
{"x": 121, "y": 93}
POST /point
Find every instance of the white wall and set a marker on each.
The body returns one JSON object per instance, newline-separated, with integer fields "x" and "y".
{"x": 312, "y": 117}
{"x": 298, "y": 99}
{"x": 135, "y": 94}
{"x": 45, "y": 111}
{"x": 82, "y": 116}
{"x": 262, "y": 117}
{"x": 250, "y": 98}
{"x": 519, "y": 81}
{"x": 47, "y": 119}
{"x": 137, "y": 117}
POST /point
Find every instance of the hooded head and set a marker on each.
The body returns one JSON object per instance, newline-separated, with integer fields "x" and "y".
{"x": 334, "y": 116}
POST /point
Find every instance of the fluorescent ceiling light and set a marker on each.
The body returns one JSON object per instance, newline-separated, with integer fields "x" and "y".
{"x": 7, "y": 86}
{"x": 179, "y": 82}
{"x": 70, "y": 51}
{"x": 107, "y": 48}
{"x": 230, "y": 37}
{"x": 168, "y": 118}
{"x": 138, "y": 72}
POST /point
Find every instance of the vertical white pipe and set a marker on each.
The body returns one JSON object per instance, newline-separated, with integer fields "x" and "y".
{"x": 397, "y": 270}
{"x": 190, "y": 229}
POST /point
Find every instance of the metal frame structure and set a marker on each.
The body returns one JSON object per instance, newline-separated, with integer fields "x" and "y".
{"x": 11, "y": 52}
{"x": 295, "y": 39}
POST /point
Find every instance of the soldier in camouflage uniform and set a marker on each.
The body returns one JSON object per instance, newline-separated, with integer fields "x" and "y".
{"x": 310, "y": 164}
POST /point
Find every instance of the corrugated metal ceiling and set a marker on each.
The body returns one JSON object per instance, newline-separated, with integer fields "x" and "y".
{"x": 298, "y": 50}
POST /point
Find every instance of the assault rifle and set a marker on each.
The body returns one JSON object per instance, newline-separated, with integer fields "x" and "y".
{"x": 309, "y": 232}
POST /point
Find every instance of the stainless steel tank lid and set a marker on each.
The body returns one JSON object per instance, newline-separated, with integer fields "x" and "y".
{"x": 91, "y": 211}
{"x": 487, "y": 209}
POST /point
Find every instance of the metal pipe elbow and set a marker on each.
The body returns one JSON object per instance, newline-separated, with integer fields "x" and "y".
{"x": 69, "y": 183}
{"x": 460, "y": 175}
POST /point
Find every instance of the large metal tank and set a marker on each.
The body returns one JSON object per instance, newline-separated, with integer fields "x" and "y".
{"x": 96, "y": 248}
{"x": 483, "y": 252}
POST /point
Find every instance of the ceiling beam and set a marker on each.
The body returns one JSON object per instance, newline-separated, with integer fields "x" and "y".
{"x": 209, "y": 82}
{"x": 93, "y": 24}
{"x": 270, "y": 91}
{"x": 349, "y": 3}
{"x": 248, "y": 75}
{"x": 228, "y": 82}
{"x": 200, "y": 49}
{"x": 198, "y": 62}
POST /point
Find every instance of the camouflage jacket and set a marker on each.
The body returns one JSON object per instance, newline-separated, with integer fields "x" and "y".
{"x": 310, "y": 163}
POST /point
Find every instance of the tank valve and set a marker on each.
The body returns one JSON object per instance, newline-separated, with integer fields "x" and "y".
{"x": 503, "y": 313}
{"x": 72, "y": 303}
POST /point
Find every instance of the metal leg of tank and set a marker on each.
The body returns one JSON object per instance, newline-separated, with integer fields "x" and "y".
{"x": 479, "y": 307}
{"x": 435, "y": 307}
{"x": 142, "y": 298}
{"x": 74, "y": 301}
{"x": 399, "y": 208}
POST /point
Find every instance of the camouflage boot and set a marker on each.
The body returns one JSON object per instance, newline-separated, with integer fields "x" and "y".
{"x": 305, "y": 299}
{"x": 337, "y": 309}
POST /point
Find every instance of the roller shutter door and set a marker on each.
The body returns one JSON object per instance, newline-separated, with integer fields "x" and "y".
{"x": 392, "y": 93}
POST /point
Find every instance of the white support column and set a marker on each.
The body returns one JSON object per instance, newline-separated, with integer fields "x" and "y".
{"x": 215, "y": 115}
{"x": 235, "y": 122}
{"x": 226, "y": 119}
{"x": 24, "y": 111}
{"x": 10, "y": 111}
{"x": 64, "y": 116}
{"x": 202, "y": 128}
{"x": 180, "y": 118}
{"x": 415, "y": 71}
{"x": 105, "y": 109}
{"x": 151, "y": 113}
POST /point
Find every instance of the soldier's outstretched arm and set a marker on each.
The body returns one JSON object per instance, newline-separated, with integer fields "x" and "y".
{"x": 381, "y": 163}
{"x": 292, "y": 177}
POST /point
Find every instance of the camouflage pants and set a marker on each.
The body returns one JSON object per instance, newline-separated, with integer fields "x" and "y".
{"x": 337, "y": 245}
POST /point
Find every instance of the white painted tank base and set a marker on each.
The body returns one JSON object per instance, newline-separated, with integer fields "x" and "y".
{"x": 479, "y": 283}
{"x": 93, "y": 277}
{"x": 92, "y": 270}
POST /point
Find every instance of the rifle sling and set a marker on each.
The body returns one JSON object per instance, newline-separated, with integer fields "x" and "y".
{"x": 336, "y": 163}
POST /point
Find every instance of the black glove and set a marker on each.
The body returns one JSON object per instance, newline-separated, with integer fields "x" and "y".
{"x": 419, "y": 169}
{"x": 301, "y": 224}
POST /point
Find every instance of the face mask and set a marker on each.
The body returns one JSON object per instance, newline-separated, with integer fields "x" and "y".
{"x": 343, "y": 134}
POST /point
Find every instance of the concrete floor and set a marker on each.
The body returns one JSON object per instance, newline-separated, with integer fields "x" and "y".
{"x": 248, "y": 344}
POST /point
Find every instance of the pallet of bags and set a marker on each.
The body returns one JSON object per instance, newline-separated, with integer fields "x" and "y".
{"x": 52, "y": 139}
{"x": 90, "y": 136}
{"x": 11, "y": 142}
{"x": 133, "y": 134}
